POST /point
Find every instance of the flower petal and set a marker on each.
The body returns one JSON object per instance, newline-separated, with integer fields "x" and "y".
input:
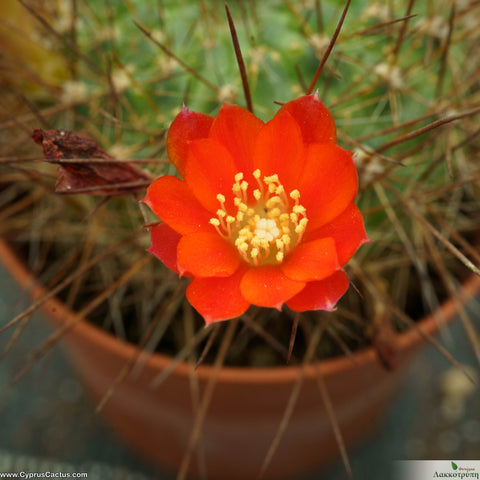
{"x": 186, "y": 127}
{"x": 164, "y": 245}
{"x": 217, "y": 299}
{"x": 347, "y": 230}
{"x": 314, "y": 260}
{"x": 172, "y": 201}
{"x": 207, "y": 255}
{"x": 321, "y": 294}
{"x": 279, "y": 149}
{"x": 328, "y": 183}
{"x": 314, "y": 119}
{"x": 210, "y": 170}
{"x": 268, "y": 286}
{"x": 236, "y": 128}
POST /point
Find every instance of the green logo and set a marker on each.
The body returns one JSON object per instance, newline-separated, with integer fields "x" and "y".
{"x": 454, "y": 466}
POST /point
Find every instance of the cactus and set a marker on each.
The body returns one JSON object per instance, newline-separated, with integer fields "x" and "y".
{"x": 402, "y": 83}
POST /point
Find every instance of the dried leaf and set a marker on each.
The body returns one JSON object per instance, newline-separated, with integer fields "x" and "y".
{"x": 90, "y": 171}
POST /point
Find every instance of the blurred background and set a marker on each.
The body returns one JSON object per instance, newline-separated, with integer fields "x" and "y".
{"x": 48, "y": 421}
{"x": 88, "y": 68}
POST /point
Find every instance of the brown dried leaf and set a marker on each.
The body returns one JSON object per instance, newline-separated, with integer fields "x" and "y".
{"x": 90, "y": 172}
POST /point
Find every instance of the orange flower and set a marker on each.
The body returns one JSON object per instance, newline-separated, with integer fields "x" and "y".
{"x": 264, "y": 214}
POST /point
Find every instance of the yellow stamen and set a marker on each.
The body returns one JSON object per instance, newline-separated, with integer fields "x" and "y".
{"x": 295, "y": 194}
{"x": 273, "y": 201}
{"x": 299, "y": 209}
{"x": 271, "y": 179}
{"x": 265, "y": 226}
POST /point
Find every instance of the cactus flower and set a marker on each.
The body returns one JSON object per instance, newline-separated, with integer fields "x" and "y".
{"x": 263, "y": 213}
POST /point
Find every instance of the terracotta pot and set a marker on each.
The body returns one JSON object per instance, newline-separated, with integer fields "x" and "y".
{"x": 247, "y": 404}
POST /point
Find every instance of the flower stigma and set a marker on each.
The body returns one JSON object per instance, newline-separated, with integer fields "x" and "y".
{"x": 267, "y": 224}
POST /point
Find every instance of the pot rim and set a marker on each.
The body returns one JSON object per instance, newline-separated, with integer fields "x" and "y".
{"x": 60, "y": 313}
